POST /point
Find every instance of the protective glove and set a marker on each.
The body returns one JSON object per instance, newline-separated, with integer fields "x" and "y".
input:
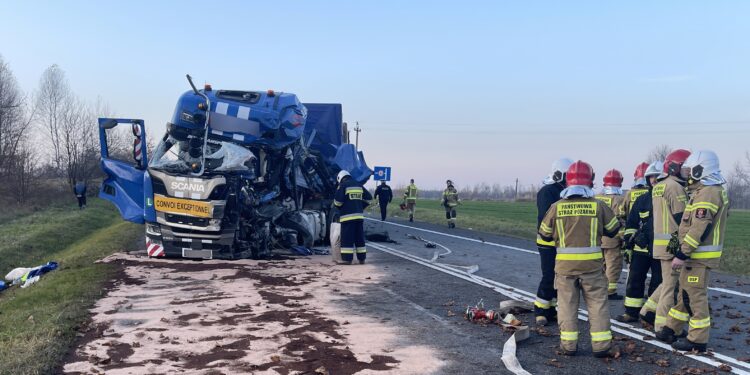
{"x": 674, "y": 244}
{"x": 641, "y": 240}
{"x": 628, "y": 255}
{"x": 627, "y": 242}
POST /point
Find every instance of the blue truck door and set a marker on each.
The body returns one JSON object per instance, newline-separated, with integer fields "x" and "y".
{"x": 124, "y": 185}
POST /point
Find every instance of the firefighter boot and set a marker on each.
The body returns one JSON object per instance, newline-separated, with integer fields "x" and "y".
{"x": 648, "y": 318}
{"x": 626, "y": 318}
{"x": 686, "y": 345}
{"x": 612, "y": 352}
{"x": 569, "y": 353}
{"x": 666, "y": 335}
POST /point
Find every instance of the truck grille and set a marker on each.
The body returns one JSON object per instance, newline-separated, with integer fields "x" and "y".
{"x": 186, "y": 220}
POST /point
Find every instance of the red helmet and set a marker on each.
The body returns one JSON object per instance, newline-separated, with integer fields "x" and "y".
{"x": 580, "y": 173}
{"x": 613, "y": 178}
{"x": 640, "y": 171}
{"x": 674, "y": 160}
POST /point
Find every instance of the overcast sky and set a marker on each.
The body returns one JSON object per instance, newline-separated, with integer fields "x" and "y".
{"x": 473, "y": 91}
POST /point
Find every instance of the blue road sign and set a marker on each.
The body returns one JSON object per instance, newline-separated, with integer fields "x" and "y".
{"x": 382, "y": 174}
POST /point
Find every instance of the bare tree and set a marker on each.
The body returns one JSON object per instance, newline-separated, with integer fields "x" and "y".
{"x": 53, "y": 99}
{"x": 738, "y": 184}
{"x": 659, "y": 152}
{"x": 15, "y": 119}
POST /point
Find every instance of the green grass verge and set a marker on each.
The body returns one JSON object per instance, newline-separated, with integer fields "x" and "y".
{"x": 518, "y": 219}
{"x": 38, "y": 324}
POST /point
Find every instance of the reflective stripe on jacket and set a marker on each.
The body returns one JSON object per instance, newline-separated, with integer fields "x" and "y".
{"x": 703, "y": 224}
{"x": 617, "y": 204}
{"x": 351, "y": 200}
{"x": 576, "y": 226}
{"x": 410, "y": 194}
{"x": 450, "y": 197}
{"x": 545, "y": 197}
{"x": 668, "y": 199}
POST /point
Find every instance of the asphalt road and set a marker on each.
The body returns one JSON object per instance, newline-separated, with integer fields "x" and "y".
{"x": 426, "y": 295}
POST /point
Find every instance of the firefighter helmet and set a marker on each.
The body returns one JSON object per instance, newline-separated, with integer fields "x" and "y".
{"x": 654, "y": 169}
{"x": 674, "y": 160}
{"x": 341, "y": 175}
{"x": 640, "y": 170}
{"x": 613, "y": 177}
{"x": 559, "y": 168}
{"x": 700, "y": 165}
{"x": 580, "y": 173}
{"x": 639, "y": 176}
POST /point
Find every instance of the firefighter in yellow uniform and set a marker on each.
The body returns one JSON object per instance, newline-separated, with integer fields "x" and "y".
{"x": 612, "y": 247}
{"x": 576, "y": 224}
{"x": 450, "y": 201}
{"x": 669, "y": 198}
{"x": 701, "y": 237}
{"x": 410, "y": 198}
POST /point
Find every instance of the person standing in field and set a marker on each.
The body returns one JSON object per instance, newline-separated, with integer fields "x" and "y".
{"x": 612, "y": 247}
{"x": 546, "y": 295}
{"x": 450, "y": 201}
{"x": 410, "y": 198}
{"x": 80, "y": 191}
{"x": 384, "y": 195}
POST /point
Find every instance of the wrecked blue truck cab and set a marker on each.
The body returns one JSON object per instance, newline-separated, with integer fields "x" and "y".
{"x": 236, "y": 174}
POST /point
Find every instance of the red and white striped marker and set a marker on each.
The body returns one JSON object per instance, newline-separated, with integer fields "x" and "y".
{"x": 137, "y": 150}
{"x": 154, "y": 249}
{"x": 137, "y": 143}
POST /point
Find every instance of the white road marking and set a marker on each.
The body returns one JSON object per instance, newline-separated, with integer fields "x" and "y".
{"x": 722, "y": 290}
{"x": 519, "y": 294}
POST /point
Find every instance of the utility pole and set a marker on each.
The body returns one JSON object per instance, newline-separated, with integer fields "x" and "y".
{"x": 357, "y": 129}
{"x": 516, "y": 189}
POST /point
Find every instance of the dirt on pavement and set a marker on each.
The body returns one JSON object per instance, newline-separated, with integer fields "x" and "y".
{"x": 222, "y": 317}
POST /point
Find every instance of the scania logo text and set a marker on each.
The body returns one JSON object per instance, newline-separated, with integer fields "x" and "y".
{"x": 198, "y": 188}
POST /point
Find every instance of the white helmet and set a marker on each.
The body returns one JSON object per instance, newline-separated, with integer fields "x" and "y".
{"x": 341, "y": 175}
{"x": 559, "y": 167}
{"x": 701, "y": 165}
{"x": 654, "y": 169}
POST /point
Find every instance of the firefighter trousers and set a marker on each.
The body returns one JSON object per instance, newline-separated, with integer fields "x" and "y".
{"x": 612, "y": 267}
{"x": 663, "y": 298}
{"x": 450, "y": 214}
{"x": 353, "y": 240}
{"x": 635, "y": 296}
{"x": 546, "y": 295}
{"x": 593, "y": 286}
{"x": 410, "y": 207}
{"x": 692, "y": 305}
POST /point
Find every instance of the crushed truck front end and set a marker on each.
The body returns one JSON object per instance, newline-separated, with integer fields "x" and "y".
{"x": 237, "y": 174}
